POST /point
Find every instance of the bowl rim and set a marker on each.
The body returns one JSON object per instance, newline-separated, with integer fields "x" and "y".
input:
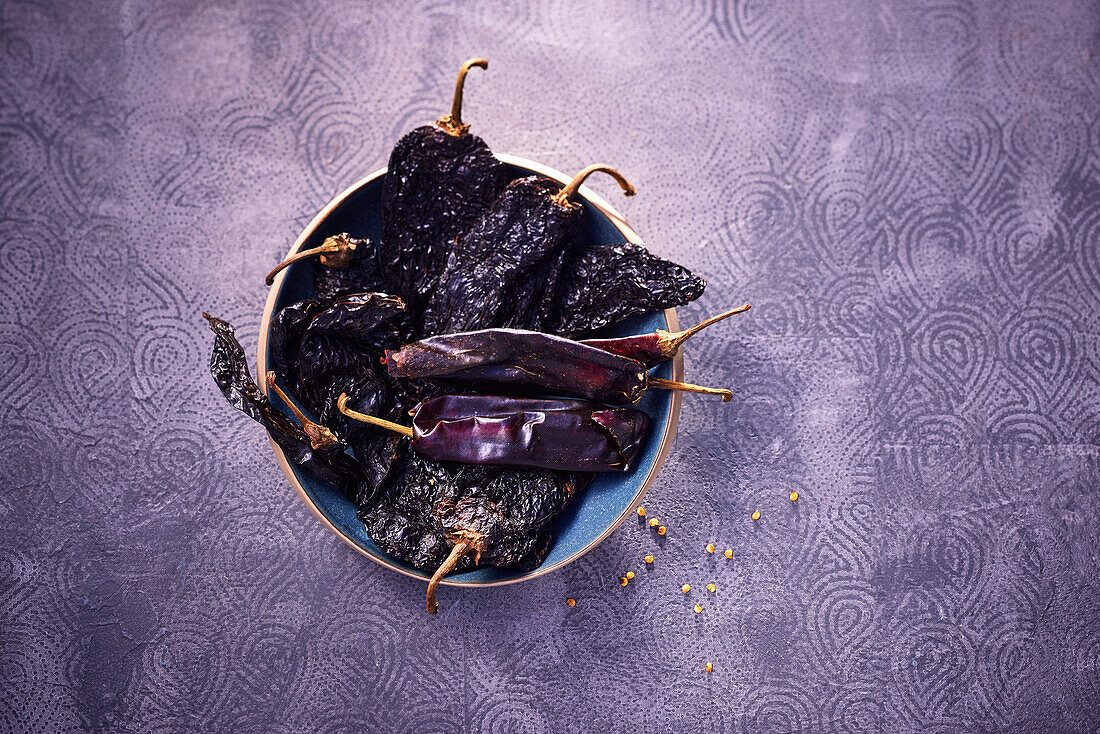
{"x": 668, "y": 432}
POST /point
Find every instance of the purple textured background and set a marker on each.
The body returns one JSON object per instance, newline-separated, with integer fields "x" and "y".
{"x": 909, "y": 193}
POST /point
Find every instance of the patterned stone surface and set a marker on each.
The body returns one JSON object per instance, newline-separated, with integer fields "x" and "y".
{"x": 908, "y": 191}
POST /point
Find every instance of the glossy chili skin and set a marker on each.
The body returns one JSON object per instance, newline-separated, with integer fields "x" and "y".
{"x": 544, "y": 362}
{"x": 498, "y": 273}
{"x": 645, "y": 348}
{"x": 568, "y": 435}
{"x": 229, "y": 368}
{"x": 438, "y": 185}
{"x": 604, "y": 284}
{"x": 287, "y": 328}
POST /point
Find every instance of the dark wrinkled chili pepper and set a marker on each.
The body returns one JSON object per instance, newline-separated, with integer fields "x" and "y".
{"x": 545, "y": 362}
{"x": 604, "y": 284}
{"x": 287, "y": 327}
{"x": 498, "y": 273}
{"x": 568, "y": 435}
{"x": 314, "y": 450}
{"x": 659, "y": 346}
{"x": 439, "y": 181}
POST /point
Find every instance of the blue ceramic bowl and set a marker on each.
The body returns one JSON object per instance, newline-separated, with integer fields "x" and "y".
{"x": 599, "y": 509}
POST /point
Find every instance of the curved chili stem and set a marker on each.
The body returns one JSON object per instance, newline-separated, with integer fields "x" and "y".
{"x": 563, "y": 196}
{"x": 342, "y": 405}
{"x": 445, "y": 568}
{"x": 319, "y": 437}
{"x": 664, "y": 384}
{"x": 335, "y": 252}
{"x": 452, "y": 122}
{"x": 670, "y": 341}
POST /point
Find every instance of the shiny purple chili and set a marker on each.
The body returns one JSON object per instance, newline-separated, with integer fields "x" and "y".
{"x": 535, "y": 361}
{"x": 570, "y": 435}
{"x": 659, "y": 346}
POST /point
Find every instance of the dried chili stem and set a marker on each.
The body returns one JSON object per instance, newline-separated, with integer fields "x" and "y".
{"x": 563, "y": 196}
{"x": 342, "y": 405}
{"x": 320, "y": 437}
{"x": 664, "y": 384}
{"x": 445, "y": 568}
{"x": 335, "y": 252}
{"x": 670, "y": 341}
{"x": 452, "y": 122}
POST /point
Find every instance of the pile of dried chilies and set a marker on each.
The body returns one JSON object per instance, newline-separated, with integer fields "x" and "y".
{"x": 471, "y": 309}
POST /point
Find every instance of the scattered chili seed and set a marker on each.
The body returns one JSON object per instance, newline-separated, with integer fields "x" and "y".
{"x": 710, "y": 588}
{"x": 662, "y": 530}
{"x": 794, "y": 496}
{"x": 697, "y": 608}
{"x": 653, "y": 522}
{"x": 641, "y": 511}
{"x": 629, "y": 575}
{"x": 708, "y": 667}
{"x": 756, "y": 515}
{"x": 729, "y": 552}
{"x": 571, "y": 602}
{"x": 649, "y": 559}
{"x": 685, "y": 588}
{"x": 710, "y": 547}
{"x": 623, "y": 581}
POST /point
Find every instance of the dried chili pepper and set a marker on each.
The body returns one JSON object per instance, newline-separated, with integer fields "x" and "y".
{"x": 546, "y": 362}
{"x": 439, "y": 182}
{"x": 569, "y": 435}
{"x": 659, "y": 346}
{"x": 498, "y": 273}
{"x": 287, "y": 327}
{"x": 604, "y": 284}
{"x": 310, "y": 448}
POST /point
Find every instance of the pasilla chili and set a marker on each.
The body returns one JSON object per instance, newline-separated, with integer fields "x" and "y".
{"x": 659, "y": 346}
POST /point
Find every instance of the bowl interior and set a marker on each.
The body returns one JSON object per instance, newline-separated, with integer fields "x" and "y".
{"x": 594, "y": 512}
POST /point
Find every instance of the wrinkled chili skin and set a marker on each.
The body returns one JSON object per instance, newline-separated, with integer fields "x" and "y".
{"x": 568, "y": 435}
{"x": 229, "y": 368}
{"x": 645, "y": 348}
{"x": 497, "y": 273}
{"x": 364, "y": 275}
{"x": 287, "y": 328}
{"x": 604, "y": 284}
{"x": 342, "y": 341}
{"x": 547, "y": 363}
{"x": 437, "y": 185}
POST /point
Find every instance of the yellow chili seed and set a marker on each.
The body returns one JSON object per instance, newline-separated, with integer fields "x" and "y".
{"x": 652, "y": 522}
{"x": 629, "y": 575}
{"x": 697, "y": 608}
{"x": 661, "y": 530}
{"x": 623, "y": 581}
{"x": 710, "y": 547}
{"x": 685, "y": 588}
{"x": 649, "y": 559}
{"x": 571, "y": 602}
{"x": 710, "y": 588}
{"x": 729, "y": 552}
{"x": 756, "y": 515}
{"x": 708, "y": 667}
{"x": 794, "y": 496}
{"x": 641, "y": 511}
